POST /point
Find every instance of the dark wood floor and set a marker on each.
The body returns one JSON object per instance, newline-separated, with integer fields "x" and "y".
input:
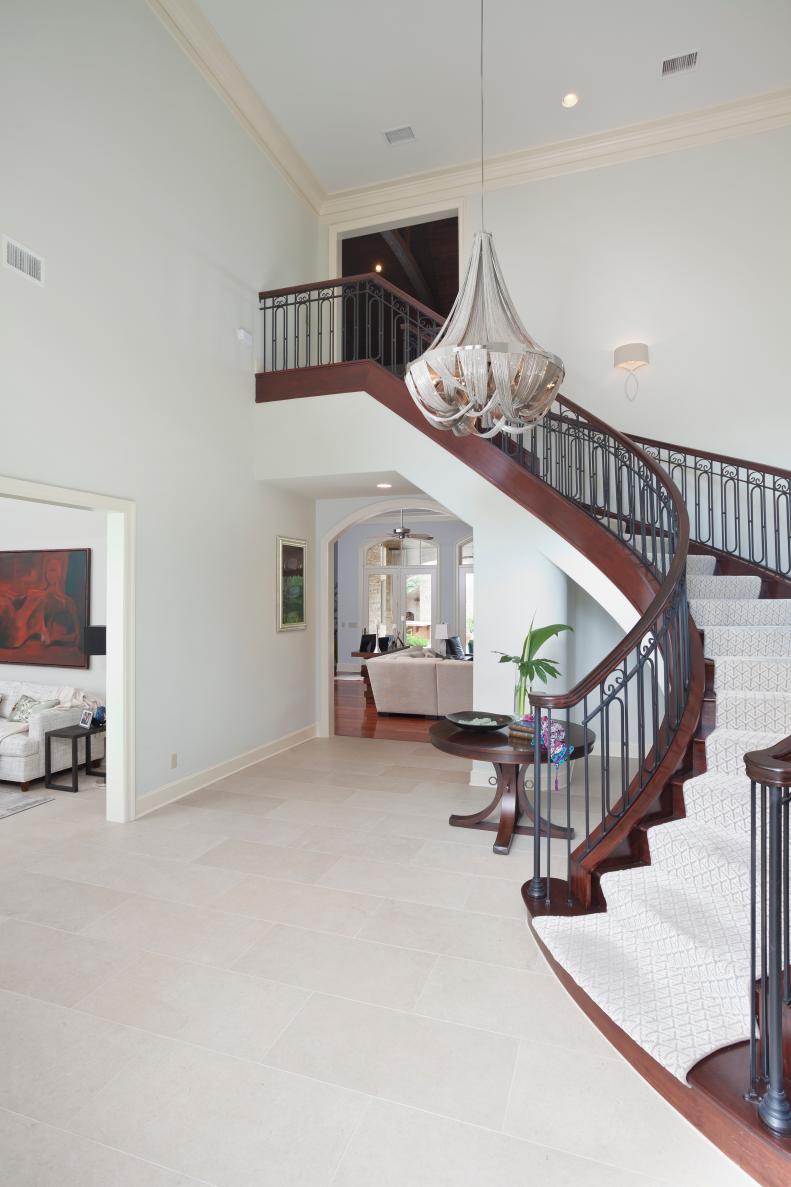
{"x": 355, "y": 719}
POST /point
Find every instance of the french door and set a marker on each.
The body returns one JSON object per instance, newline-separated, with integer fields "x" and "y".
{"x": 404, "y": 599}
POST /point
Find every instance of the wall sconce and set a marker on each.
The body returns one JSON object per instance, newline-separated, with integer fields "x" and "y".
{"x": 631, "y": 356}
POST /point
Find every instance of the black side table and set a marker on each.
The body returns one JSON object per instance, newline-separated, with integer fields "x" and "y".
{"x": 75, "y": 732}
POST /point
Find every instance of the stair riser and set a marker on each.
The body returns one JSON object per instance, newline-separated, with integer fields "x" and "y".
{"x": 701, "y": 566}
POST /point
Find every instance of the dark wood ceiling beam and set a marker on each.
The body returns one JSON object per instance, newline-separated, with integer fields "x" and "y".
{"x": 405, "y": 257}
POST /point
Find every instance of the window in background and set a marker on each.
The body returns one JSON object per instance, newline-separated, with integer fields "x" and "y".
{"x": 398, "y": 577}
{"x": 467, "y": 594}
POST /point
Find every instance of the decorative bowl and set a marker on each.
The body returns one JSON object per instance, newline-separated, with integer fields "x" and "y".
{"x": 470, "y": 720}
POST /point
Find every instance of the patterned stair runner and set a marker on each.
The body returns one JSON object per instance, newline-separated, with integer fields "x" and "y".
{"x": 669, "y": 959}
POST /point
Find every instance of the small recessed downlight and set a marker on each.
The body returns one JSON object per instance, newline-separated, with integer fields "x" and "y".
{"x": 570, "y": 100}
{"x": 377, "y": 267}
{"x": 384, "y": 486}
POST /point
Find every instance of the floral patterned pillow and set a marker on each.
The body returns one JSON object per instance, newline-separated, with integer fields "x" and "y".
{"x": 22, "y": 709}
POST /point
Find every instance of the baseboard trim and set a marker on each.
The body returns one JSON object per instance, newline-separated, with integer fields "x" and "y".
{"x": 480, "y": 774}
{"x": 181, "y": 787}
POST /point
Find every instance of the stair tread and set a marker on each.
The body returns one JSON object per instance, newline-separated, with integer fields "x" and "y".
{"x": 745, "y": 641}
{"x": 741, "y": 612}
{"x": 733, "y": 588}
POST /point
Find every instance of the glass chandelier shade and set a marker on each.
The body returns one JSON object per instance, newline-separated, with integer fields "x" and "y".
{"x": 483, "y": 373}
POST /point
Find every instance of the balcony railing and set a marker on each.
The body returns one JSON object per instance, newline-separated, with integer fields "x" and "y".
{"x": 344, "y": 320}
{"x": 736, "y": 507}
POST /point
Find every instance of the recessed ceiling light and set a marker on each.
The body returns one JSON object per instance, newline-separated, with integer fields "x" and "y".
{"x": 384, "y": 486}
{"x": 377, "y": 267}
{"x": 570, "y": 100}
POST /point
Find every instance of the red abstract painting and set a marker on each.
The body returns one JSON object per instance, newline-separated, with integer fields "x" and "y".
{"x": 45, "y": 607}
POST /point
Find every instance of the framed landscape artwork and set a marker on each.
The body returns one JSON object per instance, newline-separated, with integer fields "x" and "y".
{"x": 45, "y": 607}
{"x": 291, "y": 564}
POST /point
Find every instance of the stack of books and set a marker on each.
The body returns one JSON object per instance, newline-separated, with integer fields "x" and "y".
{"x": 521, "y": 733}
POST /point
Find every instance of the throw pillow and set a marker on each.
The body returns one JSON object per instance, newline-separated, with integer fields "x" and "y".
{"x": 21, "y": 710}
{"x": 40, "y": 706}
{"x": 9, "y": 698}
{"x": 454, "y": 647}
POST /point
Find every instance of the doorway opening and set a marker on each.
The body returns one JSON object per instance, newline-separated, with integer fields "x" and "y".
{"x": 110, "y": 525}
{"x": 420, "y": 258}
{"x": 386, "y": 593}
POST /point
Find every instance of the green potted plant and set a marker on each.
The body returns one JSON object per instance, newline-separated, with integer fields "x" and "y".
{"x": 530, "y": 665}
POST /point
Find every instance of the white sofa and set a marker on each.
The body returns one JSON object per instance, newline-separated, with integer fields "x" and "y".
{"x": 22, "y": 743}
{"x": 420, "y": 684}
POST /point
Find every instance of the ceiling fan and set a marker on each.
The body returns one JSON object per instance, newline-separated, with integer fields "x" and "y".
{"x": 401, "y": 533}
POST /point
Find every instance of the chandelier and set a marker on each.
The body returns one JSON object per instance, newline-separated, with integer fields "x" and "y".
{"x": 483, "y": 373}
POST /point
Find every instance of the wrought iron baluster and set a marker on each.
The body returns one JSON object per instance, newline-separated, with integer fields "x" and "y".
{"x": 536, "y": 888}
{"x": 774, "y": 1109}
{"x": 536, "y": 716}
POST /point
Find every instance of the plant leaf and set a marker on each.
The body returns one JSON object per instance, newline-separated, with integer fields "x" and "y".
{"x": 543, "y": 633}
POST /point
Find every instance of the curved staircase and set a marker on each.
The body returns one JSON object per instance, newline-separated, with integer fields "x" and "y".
{"x": 669, "y": 959}
{"x": 650, "y": 926}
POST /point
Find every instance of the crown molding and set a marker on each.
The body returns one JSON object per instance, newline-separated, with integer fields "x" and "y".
{"x": 758, "y": 113}
{"x": 426, "y": 191}
{"x": 199, "y": 41}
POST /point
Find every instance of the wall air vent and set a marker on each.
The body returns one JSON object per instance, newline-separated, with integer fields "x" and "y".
{"x": 399, "y": 135}
{"x": 23, "y": 260}
{"x": 680, "y": 64}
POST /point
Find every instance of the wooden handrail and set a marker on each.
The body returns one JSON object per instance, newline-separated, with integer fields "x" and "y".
{"x": 772, "y": 765}
{"x": 340, "y": 280}
{"x": 666, "y": 590}
{"x": 664, "y": 594}
{"x": 714, "y": 457}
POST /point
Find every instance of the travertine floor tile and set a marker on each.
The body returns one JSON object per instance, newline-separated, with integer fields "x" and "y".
{"x": 215, "y": 1008}
{"x": 431, "y": 1065}
{"x": 223, "y": 1120}
{"x": 57, "y": 966}
{"x": 396, "y": 1146}
{"x": 359, "y": 969}
{"x": 36, "y": 1155}
{"x": 303, "y": 906}
{"x": 199, "y": 934}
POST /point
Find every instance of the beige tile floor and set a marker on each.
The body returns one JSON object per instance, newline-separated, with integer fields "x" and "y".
{"x": 302, "y": 977}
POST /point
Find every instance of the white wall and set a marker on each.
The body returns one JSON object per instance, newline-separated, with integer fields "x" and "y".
{"x": 159, "y": 220}
{"x": 689, "y": 252}
{"x": 26, "y": 526}
{"x": 520, "y": 565}
{"x": 353, "y": 613}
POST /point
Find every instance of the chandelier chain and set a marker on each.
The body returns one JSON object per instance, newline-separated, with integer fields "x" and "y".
{"x": 483, "y": 228}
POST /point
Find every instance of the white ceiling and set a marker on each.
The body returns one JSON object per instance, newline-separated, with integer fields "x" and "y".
{"x": 336, "y": 75}
{"x": 348, "y": 486}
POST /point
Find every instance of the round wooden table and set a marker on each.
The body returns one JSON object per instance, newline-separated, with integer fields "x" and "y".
{"x": 511, "y": 764}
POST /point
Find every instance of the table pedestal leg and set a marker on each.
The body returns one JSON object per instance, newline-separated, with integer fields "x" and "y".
{"x": 511, "y": 808}
{"x": 507, "y": 795}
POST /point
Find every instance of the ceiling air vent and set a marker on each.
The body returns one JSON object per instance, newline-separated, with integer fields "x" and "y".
{"x": 680, "y": 64}
{"x": 399, "y": 135}
{"x": 23, "y": 260}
